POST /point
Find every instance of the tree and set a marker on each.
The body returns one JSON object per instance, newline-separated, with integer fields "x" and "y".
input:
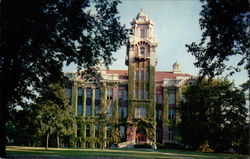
{"x": 53, "y": 114}
{"x": 225, "y": 26}
{"x": 213, "y": 114}
{"x": 37, "y": 37}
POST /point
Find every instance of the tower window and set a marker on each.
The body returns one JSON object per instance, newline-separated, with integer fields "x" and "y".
{"x": 137, "y": 75}
{"x": 147, "y": 75}
{"x": 140, "y": 112}
{"x": 143, "y": 33}
{"x": 142, "y": 51}
{"x": 136, "y": 93}
{"x": 142, "y": 75}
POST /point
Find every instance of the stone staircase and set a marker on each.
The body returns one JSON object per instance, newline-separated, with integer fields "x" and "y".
{"x": 127, "y": 144}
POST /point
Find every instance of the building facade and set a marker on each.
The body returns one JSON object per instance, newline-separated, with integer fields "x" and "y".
{"x": 131, "y": 106}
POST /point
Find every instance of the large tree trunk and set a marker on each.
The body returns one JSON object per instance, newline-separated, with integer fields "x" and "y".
{"x": 57, "y": 141}
{"x": 6, "y": 93}
{"x": 3, "y": 111}
{"x": 47, "y": 140}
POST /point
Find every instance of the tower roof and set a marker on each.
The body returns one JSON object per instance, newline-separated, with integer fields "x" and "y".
{"x": 142, "y": 17}
{"x": 176, "y": 64}
{"x": 141, "y": 14}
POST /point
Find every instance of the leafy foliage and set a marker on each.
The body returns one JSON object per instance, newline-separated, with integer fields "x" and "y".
{"x": 214, "y": 113}
{"x": 39, "y": 36}
{"x": 53, "y": 114}
{"x": 225, "y": 26}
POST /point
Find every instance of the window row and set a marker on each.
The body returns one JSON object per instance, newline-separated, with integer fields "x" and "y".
{"x": 89, "y": 93}
{"x": 141, "y": 94}
{"x": 171, "y": 98}
{"x": 142, "y": 75}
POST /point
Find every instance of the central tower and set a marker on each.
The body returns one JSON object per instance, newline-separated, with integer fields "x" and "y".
{"x": 141, "y": 60}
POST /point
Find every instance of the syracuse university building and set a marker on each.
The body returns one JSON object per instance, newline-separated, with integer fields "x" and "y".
{"x": 127, "y": 107}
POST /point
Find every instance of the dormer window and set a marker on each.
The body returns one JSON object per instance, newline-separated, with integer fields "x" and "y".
{"x": 142, "y": 51}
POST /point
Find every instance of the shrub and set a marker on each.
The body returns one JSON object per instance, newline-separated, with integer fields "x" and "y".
{"x": 160, "y": 146}
{"x": 142, "y": 146}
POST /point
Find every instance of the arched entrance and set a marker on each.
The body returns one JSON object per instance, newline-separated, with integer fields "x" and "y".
{"x": 140, "y": 135}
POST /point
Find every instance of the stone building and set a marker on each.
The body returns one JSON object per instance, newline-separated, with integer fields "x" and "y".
{"x": 128, "y": 106}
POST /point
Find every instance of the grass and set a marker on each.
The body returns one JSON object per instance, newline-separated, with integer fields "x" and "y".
{"x": 126, "y": 153}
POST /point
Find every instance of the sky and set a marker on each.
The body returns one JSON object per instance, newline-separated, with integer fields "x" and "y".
{"x": 176, "y": 24}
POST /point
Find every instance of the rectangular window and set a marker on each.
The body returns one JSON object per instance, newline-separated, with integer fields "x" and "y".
{"x": 97, "y": 94}
{"x": 125, "y": 111}
{"x": 78, "y": 130}
{"x": 142, "y": 75}
{"x": 147, "y": 94}
{"x": 122, "y": 132}
{"x": 171, "y": 98}
{"x": 69, "y": 92}
{"x": 171, "y": 115}
{"x": 88, "y": 110}
{"x": 87, "y": 131}
{"x": 80, "y": 92}
{"x": 136, "y": 93}
{"x": 183, "y": 98}
{"x": 97, "y": 100}
{"x": 159, "y": 98}
{"x": 170, "y": 134}
{"x": 97, "y": 109}
{"x": 137, "y": 75}
{"x": 89, "y": 93}
{"x": 96, "y": 131}
{"x": 147, "y": 75}
{"x": 79, "y": 110}
{"x": 141, "y": 94}
{"x": 140, "y": 112}
{"x": 125, "y": 95}
{"x": 110, "y": 111}
{"x": 159, "y": 116}
{"x": 120, "y": 94}
{"x": 110, "y": 94}
{"x": 79, "y": 106}
{"x": 120, "y": 112}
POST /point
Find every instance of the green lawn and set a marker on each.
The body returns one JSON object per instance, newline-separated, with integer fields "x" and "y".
{"x": 126, "y": 153}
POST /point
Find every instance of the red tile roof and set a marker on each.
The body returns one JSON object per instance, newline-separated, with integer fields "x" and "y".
{"x": 119, "y": 72}
{"x": 159, "y": 75}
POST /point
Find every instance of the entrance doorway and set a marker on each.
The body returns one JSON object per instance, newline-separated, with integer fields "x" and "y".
{"x": 140, "y": 135}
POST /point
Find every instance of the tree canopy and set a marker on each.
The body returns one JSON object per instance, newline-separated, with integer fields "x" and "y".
{"x": 37, "y": 37}
{"x": 53, "y": 114}
{"x": 213, "y": 115}
{"x": 225, "y": 26}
